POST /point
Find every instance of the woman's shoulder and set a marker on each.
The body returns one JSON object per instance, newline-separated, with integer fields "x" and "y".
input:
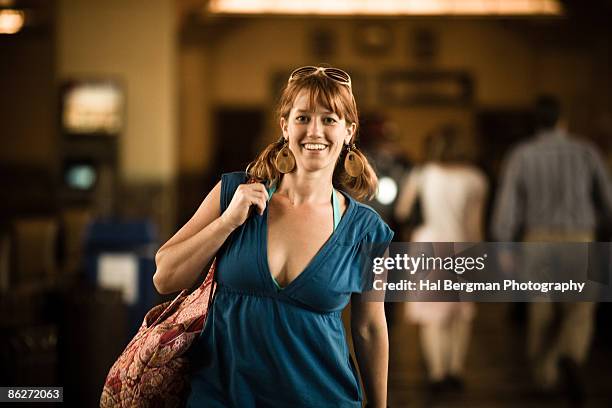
{"x": 229, "y": 184}
{"x": 361, "y": 209}
{"x": 234, "y": 176}
{"x": 367, "y": 223}
{"x": 230, "y": 181}
{"x": 472, "y": 175}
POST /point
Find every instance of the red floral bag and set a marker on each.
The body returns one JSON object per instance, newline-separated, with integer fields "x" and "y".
{"x": 152, "y": 371}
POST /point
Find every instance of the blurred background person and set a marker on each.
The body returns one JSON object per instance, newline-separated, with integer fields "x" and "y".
{"x": 452, "y": 196}
{"x": 553, "y": 188}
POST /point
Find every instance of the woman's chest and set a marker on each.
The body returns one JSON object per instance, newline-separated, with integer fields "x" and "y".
{"x": 326, "y": 276}
{"x": 294, "y": 237}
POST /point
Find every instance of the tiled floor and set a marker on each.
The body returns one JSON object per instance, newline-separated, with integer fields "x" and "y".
{"x": 496, "y": 370}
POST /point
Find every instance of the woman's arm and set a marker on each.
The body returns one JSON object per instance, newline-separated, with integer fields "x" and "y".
{"x": 407, "y": 197}
{"x": 180, "y": 260}
{"x": 371, "y": 343}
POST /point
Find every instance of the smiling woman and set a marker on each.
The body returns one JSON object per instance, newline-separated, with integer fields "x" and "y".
{"x": 274, "y": 336}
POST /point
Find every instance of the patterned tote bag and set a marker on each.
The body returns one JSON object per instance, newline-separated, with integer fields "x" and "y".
{"x": 152, "y": 371}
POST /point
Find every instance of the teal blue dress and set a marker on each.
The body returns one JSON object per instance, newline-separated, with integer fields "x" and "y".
{"x": 266, "y": 346}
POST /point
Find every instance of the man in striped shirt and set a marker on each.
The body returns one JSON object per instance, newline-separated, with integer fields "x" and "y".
{"x": 553, "y": 189}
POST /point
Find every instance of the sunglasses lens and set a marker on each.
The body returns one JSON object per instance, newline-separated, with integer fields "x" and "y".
{"x": 304, "y": 71}
{"x": 338, "y": 75}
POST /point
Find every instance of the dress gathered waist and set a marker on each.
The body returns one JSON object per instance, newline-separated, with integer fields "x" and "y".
{"x": 273, "y": 296}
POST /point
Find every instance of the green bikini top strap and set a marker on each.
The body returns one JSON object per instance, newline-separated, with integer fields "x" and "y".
{"x": 336, "y": 207}
{"x": 271, "y": 190}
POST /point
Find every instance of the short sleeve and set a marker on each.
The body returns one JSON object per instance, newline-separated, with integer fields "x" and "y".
{"x": 229, "y": 184}
{"x": 374, "y": 245}
{"x": 378, "y": 236}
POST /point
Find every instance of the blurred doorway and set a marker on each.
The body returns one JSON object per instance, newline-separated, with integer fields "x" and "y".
{"x": 499, "y": 130}
{"x": 237, "y": 132}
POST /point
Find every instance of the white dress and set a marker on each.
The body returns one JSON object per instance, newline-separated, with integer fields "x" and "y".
{"x": 452, "y": 202}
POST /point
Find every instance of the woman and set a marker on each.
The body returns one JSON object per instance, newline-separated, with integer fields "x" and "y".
{"x": 452, "y": 195}
{"x": 287, "y": 252}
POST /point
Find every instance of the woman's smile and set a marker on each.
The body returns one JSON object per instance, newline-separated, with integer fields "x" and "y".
{"x": 314, "y": 147}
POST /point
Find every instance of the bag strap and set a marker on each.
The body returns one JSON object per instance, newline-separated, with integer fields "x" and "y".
{"x": 213, "y": 284}
{"x": 169, "y": 309}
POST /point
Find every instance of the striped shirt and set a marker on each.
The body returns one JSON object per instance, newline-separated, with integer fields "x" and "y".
{"x": 553, "y": 183}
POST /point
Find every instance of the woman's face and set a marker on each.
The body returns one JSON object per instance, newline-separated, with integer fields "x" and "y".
{"x": 316, "y": 135}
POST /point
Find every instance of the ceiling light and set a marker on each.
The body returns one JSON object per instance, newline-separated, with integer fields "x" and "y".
{"x": 387, "y": 7}
{"x": 11, "y": 21}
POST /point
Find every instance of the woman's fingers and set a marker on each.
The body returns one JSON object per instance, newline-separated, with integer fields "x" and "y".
{"x": 259, "y": 199}
{"x": 261, "y": 206}
{"x": 255, "y": 187}
{"x": 259, "y": 188}
{"x": 247, "y": 195}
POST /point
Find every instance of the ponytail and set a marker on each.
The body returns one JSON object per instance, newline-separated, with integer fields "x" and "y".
{"x": 362, "y": 187}
{"x": 263, "y": 168}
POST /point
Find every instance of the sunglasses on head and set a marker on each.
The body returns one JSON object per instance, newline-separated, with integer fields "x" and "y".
{"x": 334, "y": 74}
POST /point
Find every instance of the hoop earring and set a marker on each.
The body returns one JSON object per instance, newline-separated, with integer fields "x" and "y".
{"x": 353, "y": 164}
{"x": 285, "y": 160}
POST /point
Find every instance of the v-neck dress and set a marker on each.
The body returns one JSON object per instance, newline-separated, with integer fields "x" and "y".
{"x": 265, "y": 347}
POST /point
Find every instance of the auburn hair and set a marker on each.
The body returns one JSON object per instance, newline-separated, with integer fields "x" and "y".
{"x": 337, "y": 98}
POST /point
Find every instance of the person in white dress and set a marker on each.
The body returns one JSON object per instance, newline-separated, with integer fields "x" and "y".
{"x": 452, "y": 196}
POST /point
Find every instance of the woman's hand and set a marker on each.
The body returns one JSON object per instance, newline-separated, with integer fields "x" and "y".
{"x": 246, "y": 195}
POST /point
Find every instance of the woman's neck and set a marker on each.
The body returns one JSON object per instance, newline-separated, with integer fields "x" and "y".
{"x": 306, "y": 188}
